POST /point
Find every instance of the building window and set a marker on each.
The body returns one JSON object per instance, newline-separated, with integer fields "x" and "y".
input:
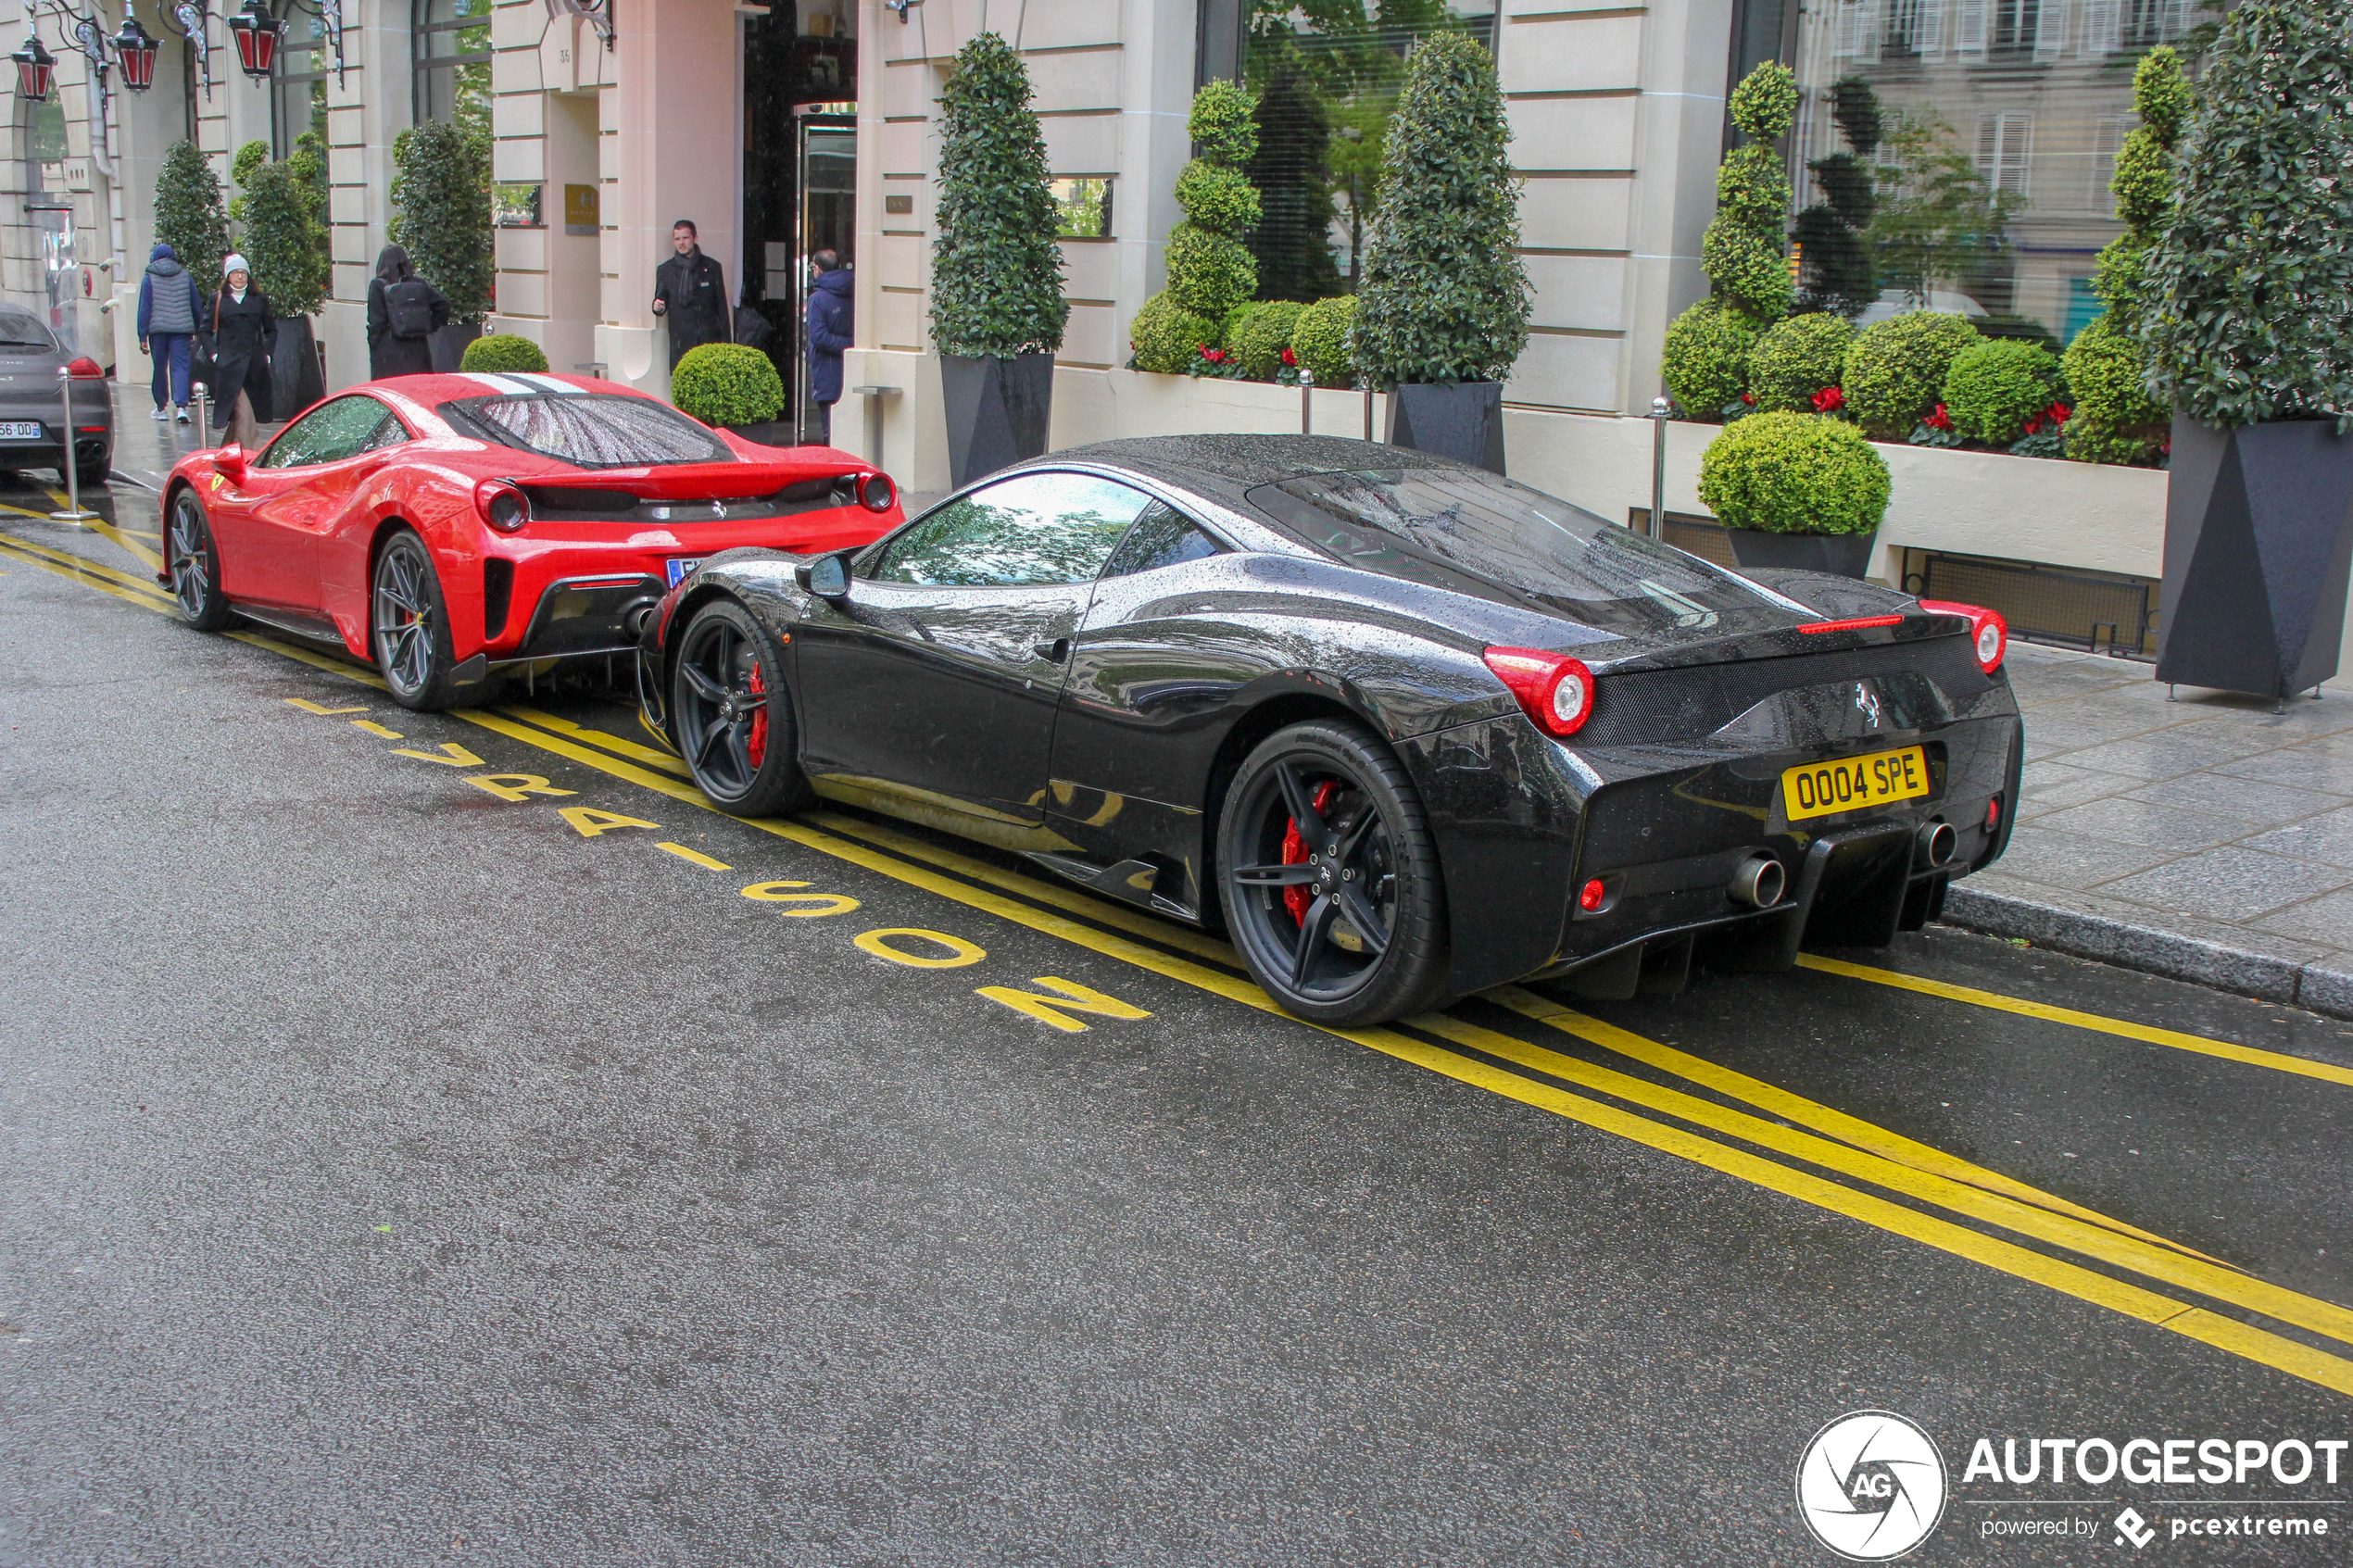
{"x": 452, "y": 62}
{"x": 298, "y": 96}
{"x": 2004, "y": 150}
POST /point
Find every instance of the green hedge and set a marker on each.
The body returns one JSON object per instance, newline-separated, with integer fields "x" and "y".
{"x": 1322, "y": 341}
{"x": 1796, "y": 359}
{"x": 1896, "y": 370}
{"x": 2116, "y": 420}
{"x": 1706, "y": 364}
{"x": 1794, "y": 473}
{"x": 1166, "y": 337}
{"x": 727, "y": 384}
{"x": 1262, "y": 336}
{"x": 1996, "y": 386}
{"x": 503, "y": 351}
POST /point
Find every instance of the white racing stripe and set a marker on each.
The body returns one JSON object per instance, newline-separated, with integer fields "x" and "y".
{"x": 505, "y": 386}
{"x": 550, "y": 384}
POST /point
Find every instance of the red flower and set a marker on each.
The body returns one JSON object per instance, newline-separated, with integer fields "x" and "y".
{"x": 2032, "y": 426}
{"x": 2058, "y": 413}
{"x": 1829, "y": 400}
{"x": 1289, "y": 357}
{"x": 1939, "y": 419}
{"x": 1748, "y": 397}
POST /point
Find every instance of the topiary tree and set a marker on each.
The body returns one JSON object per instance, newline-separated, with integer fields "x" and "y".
{"x": 1324, "y": 341}
{"x": 723, "y": 383}
{"x": 1705, "y": 366}
{"x": 1996, "y": 386}
{"x": 1444, "y": 298}
{"x": 1259, "y": 342}
{"x": 286, "y": 229}
{"x": 1741, "y": 250}
{"x": 1166, "y": 337}
{"x": 2248, "y": 294}
{"x": 1794, "y": 473}
{"x": 1211, "y": 272}
{"x": 188, "y": 212}
{"x": 512, "y": 351}
{"x": 442, "y": 215}
{"x": 2116, "y": 420}
{"x": 1291, "y": 172}
{"x": 996, "y": 270}
{"x": 1797, "y": 359}
{"x": 1839, "y": 274}
{"x": 1894, "y": 373}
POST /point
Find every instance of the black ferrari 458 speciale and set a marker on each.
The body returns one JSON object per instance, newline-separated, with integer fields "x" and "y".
{"x": 1404, "y": 728}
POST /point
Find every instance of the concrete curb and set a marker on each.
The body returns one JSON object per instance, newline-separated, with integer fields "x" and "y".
{"x": 2280, "y": 976}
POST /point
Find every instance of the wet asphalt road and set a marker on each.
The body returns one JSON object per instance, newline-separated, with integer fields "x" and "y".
{"x": 401, "y": 1171}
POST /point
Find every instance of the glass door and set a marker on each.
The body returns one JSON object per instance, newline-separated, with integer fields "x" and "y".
{"x": 828, "y": 220}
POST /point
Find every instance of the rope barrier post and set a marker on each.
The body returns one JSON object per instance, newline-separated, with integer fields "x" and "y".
{"x": 73, "y": 512}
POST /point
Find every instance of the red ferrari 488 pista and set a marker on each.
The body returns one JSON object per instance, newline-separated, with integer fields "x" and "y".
{"x": 452, "y": 528}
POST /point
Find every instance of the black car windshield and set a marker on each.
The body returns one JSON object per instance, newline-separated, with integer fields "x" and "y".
{"x": 1479, "y": 534}
{"x": 591, "y": 430}
{"x": 21, "y": 329}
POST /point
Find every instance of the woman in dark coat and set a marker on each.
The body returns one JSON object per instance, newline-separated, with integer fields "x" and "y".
{"x": 388, "y": 353}
{"x": 242, "y": 332}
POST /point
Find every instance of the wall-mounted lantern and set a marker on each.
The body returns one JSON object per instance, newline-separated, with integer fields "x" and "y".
{"x": 258, "y": 34}
{"x": 135, "y": 51}
{"x": 36, "y": 71}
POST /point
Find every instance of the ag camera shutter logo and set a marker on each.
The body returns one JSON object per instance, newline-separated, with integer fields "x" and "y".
{"x": 1871, "y": 1485}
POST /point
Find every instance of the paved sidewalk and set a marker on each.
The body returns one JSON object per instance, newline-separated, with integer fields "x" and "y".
{"x": 2205, "y": 838}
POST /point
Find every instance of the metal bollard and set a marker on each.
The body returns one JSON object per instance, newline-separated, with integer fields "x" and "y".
{"x": 203, "y": 419}
{"x": 73, "y": 512}
{"x": 1306, "y": 401}
{"x": 1661, "y": 411}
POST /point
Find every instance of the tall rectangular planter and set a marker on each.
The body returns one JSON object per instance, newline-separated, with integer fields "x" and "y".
{"x": 2258, "y": 538}
{"x": 448, "y": 345}
{"x": 294, "y": 379}
{"x": 1464, "y": 421}
{"x": 997, "y": 411}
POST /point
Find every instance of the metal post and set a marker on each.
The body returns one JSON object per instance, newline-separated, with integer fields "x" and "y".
{"x": 204, "y": 417}
{"x": 1661, "y": 411}
{"x": 1306, "y": 401}
{"x": 73, "y": 512}
{"x": 1368, "y": 411}
{"x": 874, "y": 396}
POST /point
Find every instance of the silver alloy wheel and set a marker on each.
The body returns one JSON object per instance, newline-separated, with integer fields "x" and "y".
{"x": 404, "y": 618}
{"x": 191, "y": 558}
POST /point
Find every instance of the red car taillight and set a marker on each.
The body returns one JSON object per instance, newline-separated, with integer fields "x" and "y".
{"x": 1554, "y": 690}
{"x": 1989, "y": 633}
{"x": 875, "y": 492}
{"x": 86, "y": 368}
{"x": 502, "y": 504}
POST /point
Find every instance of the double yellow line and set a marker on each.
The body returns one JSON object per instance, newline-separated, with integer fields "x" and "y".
{"x": 1767, "y": 1145}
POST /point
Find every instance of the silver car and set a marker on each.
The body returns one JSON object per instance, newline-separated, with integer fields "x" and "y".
{"x": 34, "y": 369}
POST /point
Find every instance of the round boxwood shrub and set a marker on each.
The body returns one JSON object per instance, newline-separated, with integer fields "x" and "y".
{"x": 1321, "y": 341}
{"x": 727, "y": 384}
{"x": 1996, "y": 386}
{"x": 503, "y": 351}
{"x": 1706, "y": 365}
{"x": 1896, "y": 370}
{"x": 1796, "y": 359}
{"x": 1794, "y": 473}
{"x": 1167, "y": 337}
{"x": 1263, "y": 337}
{"x": 2116, "y": 420}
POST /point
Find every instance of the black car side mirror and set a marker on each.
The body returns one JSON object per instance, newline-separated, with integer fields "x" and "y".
{"x": 827, "y": 577}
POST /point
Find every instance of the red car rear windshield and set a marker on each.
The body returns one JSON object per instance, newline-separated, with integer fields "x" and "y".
{"x": 591, "y": 430}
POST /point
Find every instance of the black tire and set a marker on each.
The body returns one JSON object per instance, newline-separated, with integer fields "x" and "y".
{"x": 409, "y": 625}
{"x": 93, "y": 475}
{"x": 194, "y": 564}
{"x": 732, "y": 715}
{"x": 1365, "y": 941}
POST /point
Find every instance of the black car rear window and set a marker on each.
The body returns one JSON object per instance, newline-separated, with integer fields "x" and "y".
{"x": 1479, "y": 534}
{"x": 21, "y": 329}
{"x": 591, "y": 430}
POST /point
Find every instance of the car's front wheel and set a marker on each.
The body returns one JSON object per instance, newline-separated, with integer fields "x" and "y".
{"x": 194, "y": 565}
{"x": 732, "y": 715}
{"x": 1329, "y": 879}
{"x": 409, "y": 625}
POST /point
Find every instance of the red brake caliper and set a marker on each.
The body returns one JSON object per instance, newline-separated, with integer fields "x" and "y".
{"x": 1295, "y": 899}
{"x": 756, "y": 745}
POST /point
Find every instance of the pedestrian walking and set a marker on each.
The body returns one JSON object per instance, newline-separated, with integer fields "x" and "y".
{"x": 829, "y": 335}
{"x": 244, "y": 333}
{"x": 404, "y": 311}
{"x": 171, "y": 304}
{"x": 691, "y": 294}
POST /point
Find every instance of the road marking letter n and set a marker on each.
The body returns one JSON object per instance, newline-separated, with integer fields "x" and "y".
{"x": 1056, "y": 1009}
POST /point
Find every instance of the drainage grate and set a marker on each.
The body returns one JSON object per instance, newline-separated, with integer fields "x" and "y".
{"x": 2104, "y": 612}
{"x": 1701, "y": 537}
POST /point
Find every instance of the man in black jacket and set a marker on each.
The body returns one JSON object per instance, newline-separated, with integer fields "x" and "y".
{"x": 690, "y": 294}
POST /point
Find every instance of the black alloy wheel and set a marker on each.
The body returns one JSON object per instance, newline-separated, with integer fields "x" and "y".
{"x": 409, "y": 625}
{"x": 733, "y": 716}
{"x": 1330, "y": 880}
{"x": 194, "y": 565}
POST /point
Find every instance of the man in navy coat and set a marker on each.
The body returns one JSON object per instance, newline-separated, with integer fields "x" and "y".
{"x": 829, "y": 333}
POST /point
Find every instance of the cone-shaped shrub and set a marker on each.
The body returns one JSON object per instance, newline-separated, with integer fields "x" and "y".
{"x": 188, "y": 212}
{"x": 1444, "y": 298}
{"x": 284, "y": 216}
{"x": 2248, "y": 295}
{"x": 441, "y": 212}
{"x": 996, "y": 272}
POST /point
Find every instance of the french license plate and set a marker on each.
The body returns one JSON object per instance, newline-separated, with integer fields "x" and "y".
{"x": 19, "y": 430}
{"x": 1852, "y": 783}
{"x": 679, "y": 570}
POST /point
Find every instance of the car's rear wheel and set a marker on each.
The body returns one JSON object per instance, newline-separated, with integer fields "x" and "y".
{"x": 92, "y": 473}
{"x": 1330, "y": 880}
{"x": 194, "y": 565}
{"x": 409, "y": 625}
{"x": 732, "y": 715}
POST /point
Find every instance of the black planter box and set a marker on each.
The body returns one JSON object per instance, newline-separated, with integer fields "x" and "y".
{"x": 1839, "y": 554}
{"x": 1464, "y": 421}
{"x": 997, "y": 411}
{"x": 449, "y": 346}
{"x": 2258, "y": 534}
{"x": 294, "y": 379}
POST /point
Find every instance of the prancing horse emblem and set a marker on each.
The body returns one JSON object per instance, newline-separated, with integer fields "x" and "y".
{"x": 1867, "y": 703}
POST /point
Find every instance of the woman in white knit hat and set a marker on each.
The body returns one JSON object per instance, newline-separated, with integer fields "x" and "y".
{"x": 242, "y": 334}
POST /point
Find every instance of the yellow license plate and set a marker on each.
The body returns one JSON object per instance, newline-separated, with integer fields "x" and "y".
{"x": 1853, "y": 783}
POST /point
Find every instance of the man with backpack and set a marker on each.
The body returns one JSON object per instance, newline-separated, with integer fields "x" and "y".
{"x": 171, "y": 304}
{"x": 404, "y": 311}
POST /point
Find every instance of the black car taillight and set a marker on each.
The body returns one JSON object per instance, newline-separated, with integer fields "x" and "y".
{"x": 502, "y": 504}
{"x": 875, "y": 492}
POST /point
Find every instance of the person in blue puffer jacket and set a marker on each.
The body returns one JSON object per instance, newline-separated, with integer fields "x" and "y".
{"x": 829, "y": 335}
{"x": 170, "y": 306}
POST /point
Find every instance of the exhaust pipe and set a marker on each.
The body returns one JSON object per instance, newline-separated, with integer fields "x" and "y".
{"x": 1939, "y": 842}
{"x": 633, "y": 616}
{"x": 1759, "y": 883}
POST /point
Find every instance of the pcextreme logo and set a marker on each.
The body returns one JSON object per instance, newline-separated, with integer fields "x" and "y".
{"x": 1871, "y": 1485}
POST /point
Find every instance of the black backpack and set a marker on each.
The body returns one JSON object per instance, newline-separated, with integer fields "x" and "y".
{"x": 409, "y": 306}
